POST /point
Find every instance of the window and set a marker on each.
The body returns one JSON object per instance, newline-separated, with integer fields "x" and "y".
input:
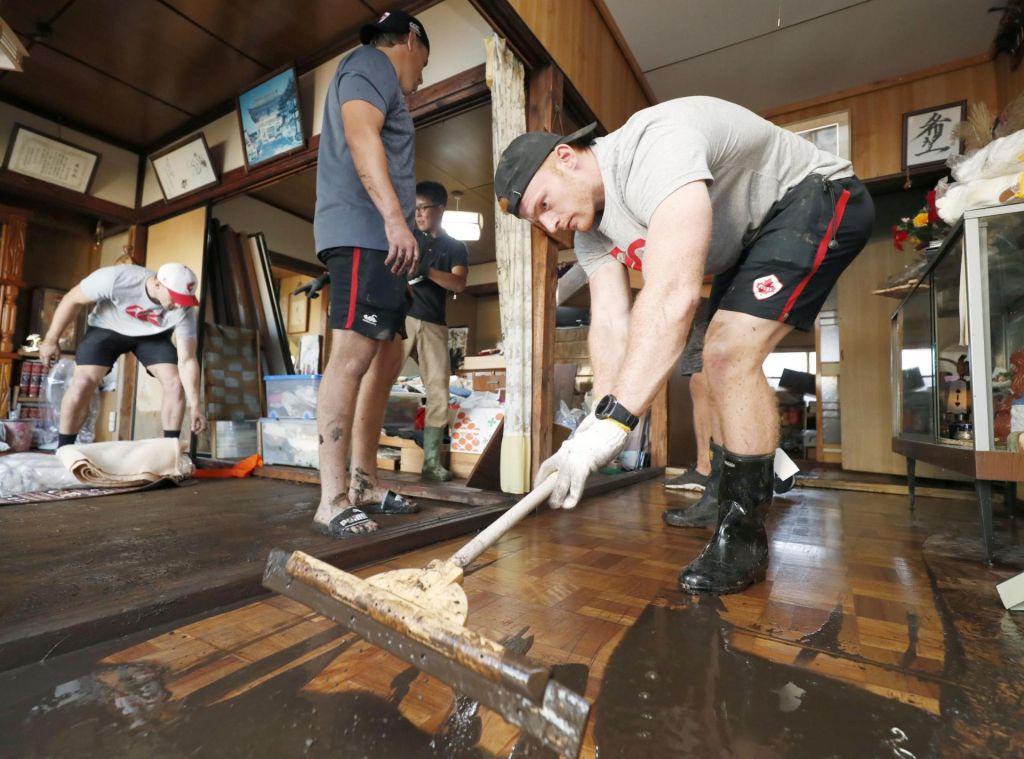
{"x": 798, "y": 361}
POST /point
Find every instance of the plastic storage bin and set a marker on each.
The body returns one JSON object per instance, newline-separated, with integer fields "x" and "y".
{"x": 292, "y": 396}
{"x": 292, "y": 442}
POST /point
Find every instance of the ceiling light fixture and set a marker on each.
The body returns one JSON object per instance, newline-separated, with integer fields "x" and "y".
{"x": 462, "y": 225}
{"x": 12, "y": 52}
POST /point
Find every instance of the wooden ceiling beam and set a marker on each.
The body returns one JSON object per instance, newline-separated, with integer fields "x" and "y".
{"x": 453, "y": 95}
{"x": 527, "y": 46}
{"x": 68, "y": 200}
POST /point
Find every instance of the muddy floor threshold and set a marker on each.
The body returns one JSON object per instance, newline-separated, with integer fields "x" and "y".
{"x": 44, "y": 638}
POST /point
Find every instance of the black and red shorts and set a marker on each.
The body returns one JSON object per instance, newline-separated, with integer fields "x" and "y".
{"x": 792, "y": 261}
{"x": 366, "y": 296}
{"x": 102, "y": 347}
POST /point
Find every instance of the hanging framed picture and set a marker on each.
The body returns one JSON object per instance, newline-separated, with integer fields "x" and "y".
{"x": 48, "y": 159}
{"x": 928, "y": 139}
{"x": 270, "y": 118}
{"x": 184, "y": 167}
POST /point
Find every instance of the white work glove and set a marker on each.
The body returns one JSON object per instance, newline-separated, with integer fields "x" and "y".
{"x": 596, "y": 442}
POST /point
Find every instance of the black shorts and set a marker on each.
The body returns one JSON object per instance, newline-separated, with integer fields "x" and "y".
{"x": 790, "y": 264}
{"x": 102, "y": 347}
{"x": 366, "y": 296}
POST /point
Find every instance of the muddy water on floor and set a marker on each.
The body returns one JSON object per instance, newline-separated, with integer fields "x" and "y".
{"x": 74, "y": 706}
{"x": 675, "y": 688}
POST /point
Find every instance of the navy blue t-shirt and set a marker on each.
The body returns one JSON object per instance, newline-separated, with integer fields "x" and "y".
{"x": 345, "y": 214}
{"x": 429, "y": 299}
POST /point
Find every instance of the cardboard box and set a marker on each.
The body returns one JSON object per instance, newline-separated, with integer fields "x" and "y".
{"x": 488, "y": 382}
{"x": 474, "y": 427}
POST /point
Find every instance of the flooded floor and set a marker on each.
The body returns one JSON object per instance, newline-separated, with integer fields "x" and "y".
{"x": 877, "y": 634}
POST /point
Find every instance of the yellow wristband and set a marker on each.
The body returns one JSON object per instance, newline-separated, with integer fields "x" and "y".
{"x": 625, "y": 428}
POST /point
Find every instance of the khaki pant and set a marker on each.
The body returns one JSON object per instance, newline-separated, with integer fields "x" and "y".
{"x": 428, "y": 344}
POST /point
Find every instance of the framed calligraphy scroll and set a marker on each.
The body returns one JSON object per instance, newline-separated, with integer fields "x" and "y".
{"x": 184, "y": 167}
{"x": 928, "y": 139}
{"x": 51, "y": 160}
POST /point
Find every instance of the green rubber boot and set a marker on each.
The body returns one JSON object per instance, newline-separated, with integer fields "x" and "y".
{"x": 432, "y": 469}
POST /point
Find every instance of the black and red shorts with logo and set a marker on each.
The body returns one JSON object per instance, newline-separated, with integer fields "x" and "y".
{"x": 366, "y": 296}
{"x": 102, "y": 347}
{"x": 791, "y": 262}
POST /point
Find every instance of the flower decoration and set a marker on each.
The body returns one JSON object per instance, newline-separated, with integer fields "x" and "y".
{"x": 917, "y": 231}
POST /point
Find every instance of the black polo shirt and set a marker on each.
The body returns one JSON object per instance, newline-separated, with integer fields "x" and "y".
{"x": 443, "y": 253}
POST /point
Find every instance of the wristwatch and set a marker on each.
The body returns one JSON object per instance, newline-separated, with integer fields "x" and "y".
{"x": 609, "y": 408}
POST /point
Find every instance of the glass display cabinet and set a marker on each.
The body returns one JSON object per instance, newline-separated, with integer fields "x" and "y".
{"x": 958, "y": 358}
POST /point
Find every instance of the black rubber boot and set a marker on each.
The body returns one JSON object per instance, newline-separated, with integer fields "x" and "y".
{"x": 704, "y": 513}
{"x": 737, "y": 554}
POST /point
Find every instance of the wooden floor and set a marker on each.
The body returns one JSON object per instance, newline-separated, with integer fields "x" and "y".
{"x": 83, "y": 571}
{"x": 878, "y": 633}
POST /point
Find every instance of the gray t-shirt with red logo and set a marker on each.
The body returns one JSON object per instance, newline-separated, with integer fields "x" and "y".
{"x": 748, "y": 163}
{"x": 123, "y": 306}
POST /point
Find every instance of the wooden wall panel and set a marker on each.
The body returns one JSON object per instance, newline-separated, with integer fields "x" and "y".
{"x": 179, "y": 239}
{"x": 876, "y": 112}
{"x": 1009, "y": 84}
{"x": 576, "y": 36}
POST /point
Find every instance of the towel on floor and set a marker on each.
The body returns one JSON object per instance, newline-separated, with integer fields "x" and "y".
{"x": 125, "y": 463}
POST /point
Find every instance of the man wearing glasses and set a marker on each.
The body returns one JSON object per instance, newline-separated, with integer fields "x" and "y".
{"x": 444, "y": 263}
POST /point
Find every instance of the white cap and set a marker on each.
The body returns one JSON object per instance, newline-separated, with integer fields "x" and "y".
{"x": 180, "y": 282}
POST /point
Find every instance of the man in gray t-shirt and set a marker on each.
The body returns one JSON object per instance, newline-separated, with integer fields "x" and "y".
{"x": 692, "y": 186}
{"x": 366, "y": 196}
{"x": 135, "y": 310}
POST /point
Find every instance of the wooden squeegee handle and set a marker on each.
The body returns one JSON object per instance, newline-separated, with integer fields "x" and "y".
{"x": 504, "y": 523}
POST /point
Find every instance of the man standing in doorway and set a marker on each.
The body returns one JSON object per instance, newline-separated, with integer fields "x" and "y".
{"x": 690, "y": 186}
{"x": 444, "y": 263}
{"x": 365, "y": 201}
{"x": 135, "y": 311}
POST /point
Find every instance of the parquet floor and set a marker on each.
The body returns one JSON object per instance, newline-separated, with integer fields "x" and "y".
{"x": 866, "y": 640}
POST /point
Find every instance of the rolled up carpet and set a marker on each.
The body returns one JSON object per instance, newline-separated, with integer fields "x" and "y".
{"x": 126, "y": 463}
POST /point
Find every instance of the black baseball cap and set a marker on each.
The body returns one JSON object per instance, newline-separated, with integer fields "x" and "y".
{"x": 521, "y": 159}
{"x": 394, "y": 22}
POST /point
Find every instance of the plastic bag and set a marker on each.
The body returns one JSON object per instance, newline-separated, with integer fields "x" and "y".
{"x": 32, "y": 472}
{"x": 569, "y": 418}
{"x": 56, "y": 384}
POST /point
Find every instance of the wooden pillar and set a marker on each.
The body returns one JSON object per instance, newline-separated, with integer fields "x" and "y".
{"x": 12, "y": 259}
{"x": 506, "y": 80}
{"x": 659, "y": 427}
{"x": 544, "y": 113}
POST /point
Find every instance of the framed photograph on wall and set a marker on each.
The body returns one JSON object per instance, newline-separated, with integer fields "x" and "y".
{"x": 270, "y": 119}
{"x": 184, "y": 167}
{"x": 48, "y": 159}
{"x": 928, "y": 139}
{"x": 829, "y": 132}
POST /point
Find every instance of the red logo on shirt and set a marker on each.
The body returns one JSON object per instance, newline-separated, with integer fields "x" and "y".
{"x": 144, "y": 315}
{"x": 766, "y": 287}
{"x": 631, "y": 256}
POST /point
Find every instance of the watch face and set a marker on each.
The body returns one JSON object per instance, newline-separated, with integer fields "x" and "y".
{"x": 604, "y": 406}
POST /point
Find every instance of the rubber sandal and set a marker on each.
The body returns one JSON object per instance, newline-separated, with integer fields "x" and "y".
{"x": 391, "y": 503}
{"x": 344, "y": 524}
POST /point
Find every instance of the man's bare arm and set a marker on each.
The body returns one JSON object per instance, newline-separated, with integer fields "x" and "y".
{"x": 188, "y": 373}
{"x": 67, "y": 311}
{"x": 610, "y": 301}
{"x": 677, "y": 244}
{"x": 453, "y": 281}
{"x": 363, "y": 124}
